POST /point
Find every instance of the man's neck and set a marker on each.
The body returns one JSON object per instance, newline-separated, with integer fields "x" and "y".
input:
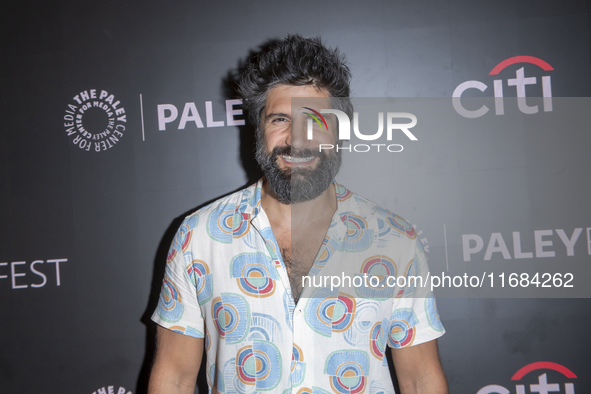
{"x": 299, "y": 230}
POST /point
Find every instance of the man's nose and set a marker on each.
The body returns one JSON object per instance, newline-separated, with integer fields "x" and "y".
{"x": 298, "y": 137}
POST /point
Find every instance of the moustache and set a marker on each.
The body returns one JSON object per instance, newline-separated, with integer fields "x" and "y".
{"x": 290, "y": 151}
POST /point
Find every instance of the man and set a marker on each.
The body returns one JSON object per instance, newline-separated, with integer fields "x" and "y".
{"x": 233, "y": 280}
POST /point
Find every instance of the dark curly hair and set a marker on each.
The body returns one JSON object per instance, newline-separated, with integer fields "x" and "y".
{"x": 297, "y": 61}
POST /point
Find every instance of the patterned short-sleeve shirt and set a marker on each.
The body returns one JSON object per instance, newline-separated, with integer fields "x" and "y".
{"x": 225, "y": 281}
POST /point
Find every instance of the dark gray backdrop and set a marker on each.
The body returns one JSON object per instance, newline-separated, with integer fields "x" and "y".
{"x": 109, "y": 216}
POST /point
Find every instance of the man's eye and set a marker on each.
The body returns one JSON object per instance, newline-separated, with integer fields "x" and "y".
{"x": 279, "y": 120}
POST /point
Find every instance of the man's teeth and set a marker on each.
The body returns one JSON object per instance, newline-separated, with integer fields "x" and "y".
{"x": 292, "y": 159}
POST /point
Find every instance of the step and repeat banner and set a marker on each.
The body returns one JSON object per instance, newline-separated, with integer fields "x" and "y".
{"x": 120, "y": 118}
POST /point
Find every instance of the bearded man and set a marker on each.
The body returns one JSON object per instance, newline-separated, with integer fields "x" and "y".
{"x": 233, "y": 281}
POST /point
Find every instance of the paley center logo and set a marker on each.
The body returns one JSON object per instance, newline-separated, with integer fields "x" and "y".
{"x": 519, "y": 82}
{"x": 96, "y": 120}
{"x": 111, "y": 390}
{"x": 168, "y": 113}
{"x": 541, "y": 377}
{"x": 344, "y": 130}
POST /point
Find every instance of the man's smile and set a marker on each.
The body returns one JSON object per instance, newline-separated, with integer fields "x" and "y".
{"x": 292, "y": 160}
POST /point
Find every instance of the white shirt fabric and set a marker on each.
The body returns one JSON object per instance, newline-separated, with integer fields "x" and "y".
{"x": 226, "y": 282}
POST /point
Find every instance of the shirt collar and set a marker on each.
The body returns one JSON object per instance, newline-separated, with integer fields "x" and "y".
{"x": 250, "y": 208}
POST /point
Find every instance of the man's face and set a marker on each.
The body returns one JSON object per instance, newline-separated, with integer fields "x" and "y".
{"x": 294, "y": 167}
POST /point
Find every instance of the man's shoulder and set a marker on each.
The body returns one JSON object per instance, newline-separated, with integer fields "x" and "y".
{"x": 358, "y": 205}
{"x": 241, "y": 201}
{"x": 353, "y": 202}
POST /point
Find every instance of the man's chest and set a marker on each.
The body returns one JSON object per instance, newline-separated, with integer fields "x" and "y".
{"x": 299, "y": 251}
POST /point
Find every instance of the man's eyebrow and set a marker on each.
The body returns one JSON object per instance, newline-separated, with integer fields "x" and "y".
{"x": 277, "y": 115}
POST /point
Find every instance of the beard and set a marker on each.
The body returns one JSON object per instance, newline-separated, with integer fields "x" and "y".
{"x": 294, "y": 184}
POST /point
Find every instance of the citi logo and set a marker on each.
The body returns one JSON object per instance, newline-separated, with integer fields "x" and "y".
{"x": 519, "y": 82}
{"x": 561, "y": 381}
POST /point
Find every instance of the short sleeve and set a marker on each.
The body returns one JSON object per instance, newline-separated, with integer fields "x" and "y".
{"x": 415, "y": 318}
{"x": 178, "y": 307}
